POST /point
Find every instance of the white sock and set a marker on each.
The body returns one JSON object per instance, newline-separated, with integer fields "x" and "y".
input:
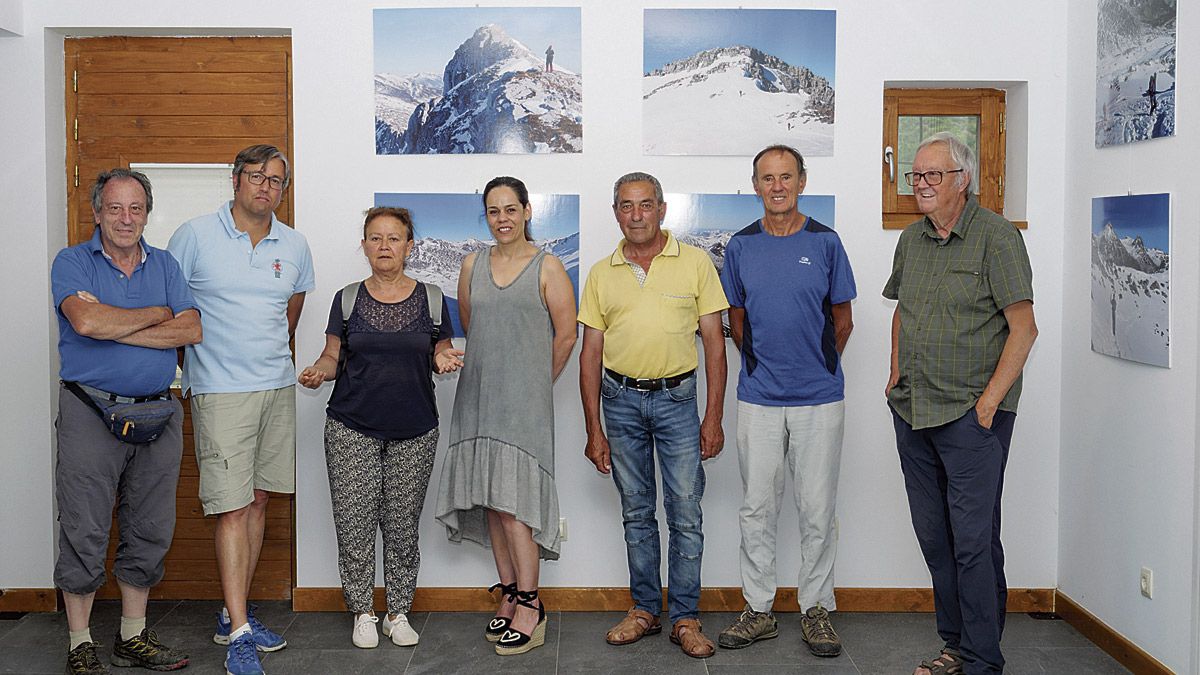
{"x": 79, "y": 637}
{"x": 225, "y": 614}
{"x": 132, "y": 627}
{"x": 244, "y": 629}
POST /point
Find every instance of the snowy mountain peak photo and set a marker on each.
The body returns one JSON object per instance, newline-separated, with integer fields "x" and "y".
{"x": 487, "y": 47}
{"x": 1135, "y": 70}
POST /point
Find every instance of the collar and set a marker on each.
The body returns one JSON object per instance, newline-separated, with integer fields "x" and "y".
{"x": 962, "y": 228}
{"x": 671, "y": 249}
{"x": 225, "y": 215}
{"x": 95, "y": 246}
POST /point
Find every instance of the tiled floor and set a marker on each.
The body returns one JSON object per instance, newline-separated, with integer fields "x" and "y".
{"x": 452, "y": 643}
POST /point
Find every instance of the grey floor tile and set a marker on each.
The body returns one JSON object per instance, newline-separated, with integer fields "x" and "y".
{"x": 453, "y": 643}
{"x": 384, "y": 659}
{"x": 887, "y": 643}
{"x": 7, "y": 625}
{"x": 796, "y": 669}
{"x": 583, "y": 649}
{"x": 1024, "y": 630}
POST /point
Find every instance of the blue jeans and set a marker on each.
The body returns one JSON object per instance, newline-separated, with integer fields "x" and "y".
{"x": 638, "y": 424}
{"x": 954, "y": 476}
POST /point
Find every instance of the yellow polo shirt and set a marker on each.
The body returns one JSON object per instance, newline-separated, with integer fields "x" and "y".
{"x": 650, "y": 331}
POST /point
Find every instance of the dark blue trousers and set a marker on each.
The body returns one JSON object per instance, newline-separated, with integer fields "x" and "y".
{"x": 954, "y": 475}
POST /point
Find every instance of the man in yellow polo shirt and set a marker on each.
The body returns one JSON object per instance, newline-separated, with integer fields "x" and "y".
{"x": 640, "y": 310}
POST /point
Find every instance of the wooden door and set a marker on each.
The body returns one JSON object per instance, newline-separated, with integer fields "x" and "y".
{"x": 181, "y": 100}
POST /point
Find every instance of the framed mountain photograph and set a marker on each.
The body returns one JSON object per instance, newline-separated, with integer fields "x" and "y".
{"x": 1135, "y": 70}
{"x": 733, "y": 81}
{"x": 481, "y": 80}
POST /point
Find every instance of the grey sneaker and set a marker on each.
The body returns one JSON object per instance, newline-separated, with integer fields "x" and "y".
{"x": 750, "y": 627}
{"x": 818, "y": 632}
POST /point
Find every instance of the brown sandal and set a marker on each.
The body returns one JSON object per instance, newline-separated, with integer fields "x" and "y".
{"x": 949, "y": 662}
{"x": 636, "y": 625}
{"x": 688, "y": 634}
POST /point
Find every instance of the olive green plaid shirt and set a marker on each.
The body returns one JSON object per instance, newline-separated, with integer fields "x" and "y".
{"x": 952, "y": 293}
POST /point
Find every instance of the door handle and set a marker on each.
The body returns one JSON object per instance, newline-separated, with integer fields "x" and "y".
{"x": 889, "y": 158}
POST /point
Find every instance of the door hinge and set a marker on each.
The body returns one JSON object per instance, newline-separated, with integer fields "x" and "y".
{"x": 75, "y": 81}
{"x": 1002, "y": 121}
{"x": 1000, "y": 182}
{"x": 76, "y": 175}
{"x": 76, "y": 128}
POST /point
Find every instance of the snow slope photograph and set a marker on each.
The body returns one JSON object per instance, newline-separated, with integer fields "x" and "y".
{"x": 733, "y": 81}
{"x": 1131, "y": 292}
{"x": 449, "y": 226}
{"x": 482, "y": 80}
{"x": 1135, "y": 70}
{"x": 707, "y": 221}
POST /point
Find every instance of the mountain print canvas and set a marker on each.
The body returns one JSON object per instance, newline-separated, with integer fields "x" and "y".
{"x": 733, "y": 81}
{"x": 478, "y": 80}
{"x": 1135, "y": 70}
{"x": 450, "y": 226}
{"x": 1131, "y": 280}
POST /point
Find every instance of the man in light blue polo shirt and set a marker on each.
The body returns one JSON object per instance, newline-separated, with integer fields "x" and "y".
{"x": 249, "y": 273}
{"x": 789, "y": 286}
{"x": 123, "y": 308}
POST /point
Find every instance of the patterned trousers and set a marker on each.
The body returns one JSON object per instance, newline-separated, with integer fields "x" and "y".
{"x": 377, "y": 484}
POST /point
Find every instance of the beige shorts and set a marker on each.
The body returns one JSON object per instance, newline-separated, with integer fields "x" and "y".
{"x": 244, "y": 442}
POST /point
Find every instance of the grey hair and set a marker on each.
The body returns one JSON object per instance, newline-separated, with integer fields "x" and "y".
{"x": 638, "y": 177}
{"x": 960, "y": 154}
{"x": 261, "y": 154}
{"x": 113, "y": 174}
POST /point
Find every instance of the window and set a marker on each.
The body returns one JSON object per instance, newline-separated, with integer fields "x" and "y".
{"x": 976, "y": 116}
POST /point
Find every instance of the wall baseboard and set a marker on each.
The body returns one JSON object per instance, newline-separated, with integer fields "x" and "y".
{"x": 721, "y": 599}
{"x": 1103, "y": 636}
{"x": 28, "y": 600}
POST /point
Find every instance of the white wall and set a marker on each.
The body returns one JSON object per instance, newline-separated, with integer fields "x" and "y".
{"x": 1129, "y": 440}
{"x": 337, "y": 174}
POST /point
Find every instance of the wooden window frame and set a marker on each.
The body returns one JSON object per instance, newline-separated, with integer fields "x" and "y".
{"x": 988, "y": 104}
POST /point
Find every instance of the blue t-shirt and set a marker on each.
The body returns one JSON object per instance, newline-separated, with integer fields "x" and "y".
{"x": 117, "y": 368}
{"x": 386, "y": 387}
{"x": 243, "y": 293}
{"x": 788, "y": 286}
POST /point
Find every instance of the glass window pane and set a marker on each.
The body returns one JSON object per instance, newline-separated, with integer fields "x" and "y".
{"x": 915, "y": 128}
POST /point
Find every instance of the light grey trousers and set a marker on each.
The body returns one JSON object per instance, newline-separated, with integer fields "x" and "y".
{"x": 805, "y": 441}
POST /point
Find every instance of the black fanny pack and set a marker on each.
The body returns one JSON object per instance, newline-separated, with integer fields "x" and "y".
{"x": 133, "y": 420}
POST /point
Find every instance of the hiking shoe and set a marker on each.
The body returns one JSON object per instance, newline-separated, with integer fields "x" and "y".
{"x": 242, "y": 657}
{"x": 750, "y": 627}
{"x": 818, "y": 632}
{"x": 400, "y": 630}
{"x": 266, "y": 639}
{"x": 365, "y": 635}
{"x": 145, "y": 651}
{"x": 83, "y": 660}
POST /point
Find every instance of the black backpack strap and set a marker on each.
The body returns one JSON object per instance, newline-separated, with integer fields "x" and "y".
{"x": 349, "y": 295}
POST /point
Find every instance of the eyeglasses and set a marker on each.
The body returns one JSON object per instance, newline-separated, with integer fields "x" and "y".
{"x": 931, "y": 177}
{"x": 257, "y": 178}
{"x": 645, "y": 207}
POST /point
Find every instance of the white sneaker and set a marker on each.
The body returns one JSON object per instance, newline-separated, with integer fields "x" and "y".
{"x": 365, "y": 635}
{"x": 401, "y": 632}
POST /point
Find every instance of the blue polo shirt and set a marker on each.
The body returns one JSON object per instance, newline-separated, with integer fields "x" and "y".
{"x": 243, "y": 293}
{"x": 117, "y": 368}
{"x": 788, "y": 286}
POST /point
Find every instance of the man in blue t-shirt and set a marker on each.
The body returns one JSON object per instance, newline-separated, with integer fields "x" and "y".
{"x": 123, "y": 308}
{"x": 789, "y": 287}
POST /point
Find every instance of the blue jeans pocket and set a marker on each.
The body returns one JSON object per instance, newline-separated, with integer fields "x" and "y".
{"x": 686, "y": 391}
{"x": 609, "y": 388}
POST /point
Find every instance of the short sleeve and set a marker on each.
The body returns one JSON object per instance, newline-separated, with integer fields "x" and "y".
{"x": 841, "y": 276}
{"x": 179, "y": 294}
{"x": 306, "y": 280}
{"x": 334, "y": 327}
{"x": 68, "y": 275}
{"x": 731, "y": 274}
{"x": 183, "y": 247}
{"x": 1010, "y": 275}
{"x": 590, "y": 312}
{"x": 891, "y": 290}
{"x": 709, "y": 296}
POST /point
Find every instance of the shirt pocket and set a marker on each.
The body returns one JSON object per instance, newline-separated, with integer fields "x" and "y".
{"x": 964, "y": 283}
{"x": 677, "y": 313}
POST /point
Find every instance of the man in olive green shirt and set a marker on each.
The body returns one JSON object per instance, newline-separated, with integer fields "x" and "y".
{"x": 961, "y": 332}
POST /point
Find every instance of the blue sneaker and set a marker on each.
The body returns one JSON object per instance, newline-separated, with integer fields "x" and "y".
{"x": 242, "y": 658}
{"x": 265, "y": 639}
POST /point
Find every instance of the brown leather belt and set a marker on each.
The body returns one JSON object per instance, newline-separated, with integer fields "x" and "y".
{"x": 650, "y": 384}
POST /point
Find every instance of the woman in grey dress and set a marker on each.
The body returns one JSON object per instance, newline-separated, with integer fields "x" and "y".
{"x": 517, "y": 307}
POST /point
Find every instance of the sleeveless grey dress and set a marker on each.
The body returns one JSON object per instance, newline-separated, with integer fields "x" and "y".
{"x": 501, "y": 442}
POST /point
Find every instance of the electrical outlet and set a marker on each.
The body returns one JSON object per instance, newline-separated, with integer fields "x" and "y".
{"x": 562, "y": 529}
{"x": 1146, "y": 582}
